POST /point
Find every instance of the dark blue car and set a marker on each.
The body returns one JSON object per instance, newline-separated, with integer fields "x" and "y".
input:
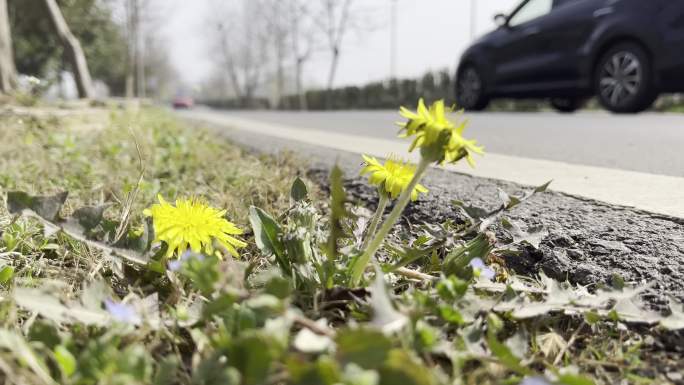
{"x": 624, "y": 52}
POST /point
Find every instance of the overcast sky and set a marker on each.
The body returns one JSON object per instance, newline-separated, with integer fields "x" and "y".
{"x": 432, "y": 34}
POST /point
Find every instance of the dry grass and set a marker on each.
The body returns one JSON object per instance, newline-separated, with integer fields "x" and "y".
{"x": 98, "y": 157}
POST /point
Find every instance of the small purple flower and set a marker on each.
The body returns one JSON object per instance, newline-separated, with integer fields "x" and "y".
{"x": 534, "y": 381}
{"x": 186, "y": 254}
{"x": 477, "y": 263}
{"x": 176, "y": 264}
{"x": 122, "y": 312}
{"x": 482, "y": 270}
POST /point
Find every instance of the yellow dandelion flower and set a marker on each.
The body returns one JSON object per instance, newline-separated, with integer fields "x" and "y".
{"x": 438, "y": 138}
{"x": 192, "y": 224}
{"x": 393, "y": 177}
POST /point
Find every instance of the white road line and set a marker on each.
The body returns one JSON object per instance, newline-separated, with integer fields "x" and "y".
{"x": 656, "y": 193}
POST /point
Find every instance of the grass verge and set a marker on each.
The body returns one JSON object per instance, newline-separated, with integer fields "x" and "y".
{"x": 284, "y": 313}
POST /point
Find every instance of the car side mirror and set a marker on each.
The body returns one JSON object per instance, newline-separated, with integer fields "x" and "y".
{"x": 501, "y": 20}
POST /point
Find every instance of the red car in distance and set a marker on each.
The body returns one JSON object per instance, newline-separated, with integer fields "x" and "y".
{"x": 180, "y": 102}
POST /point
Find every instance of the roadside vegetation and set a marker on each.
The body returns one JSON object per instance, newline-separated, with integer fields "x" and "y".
{"x": 137, "y": 250}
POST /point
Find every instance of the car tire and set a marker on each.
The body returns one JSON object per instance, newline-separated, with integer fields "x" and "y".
{"x": 624, "y": 80}
{"x": 470, "y": 91}
{"x": 567, "y": 105}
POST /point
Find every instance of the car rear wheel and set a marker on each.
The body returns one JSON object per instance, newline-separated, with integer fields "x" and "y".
{"x": 567, "y": 105}
{"x": 470, "y": 93}
{"x": 623, "y": 79}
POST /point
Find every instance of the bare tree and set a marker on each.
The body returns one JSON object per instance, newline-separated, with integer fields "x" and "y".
{"x": 135, "y": 69}
{"x": 72, "y": 48}
{"x": 277, "y": 28}
{"x": 147, "y": 64}
{"x": 8, "y": 71}
{"x": 243, "y": 41}
{"x": 131, "y": 26}
{"x": 334, "y": 23}
{"x": 302, "y": 43}
{"x": 293, "y": 38}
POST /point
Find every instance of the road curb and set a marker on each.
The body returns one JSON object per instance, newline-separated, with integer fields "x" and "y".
{"x": 659, "y": 194}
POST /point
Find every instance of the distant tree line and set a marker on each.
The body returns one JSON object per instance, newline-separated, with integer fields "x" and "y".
{"x": 380, "y": 95}
{"x": 262, "y": 47}
{"x": 375, "y": 95}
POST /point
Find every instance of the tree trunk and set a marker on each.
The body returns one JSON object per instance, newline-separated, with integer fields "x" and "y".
{"x": 8, "y": 72}
{"x": 72, "y": 48}
{"x": 130, "y": 49}
{"x": 280, "y": 77}
{"x": 139, "y": 54}
{"x": 300, "y": 88}
{"x": 331, "y": 79}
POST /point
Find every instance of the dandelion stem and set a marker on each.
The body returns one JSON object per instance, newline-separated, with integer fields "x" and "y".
{"x": 359, "y": 265}
{"x": 382, "y": 205}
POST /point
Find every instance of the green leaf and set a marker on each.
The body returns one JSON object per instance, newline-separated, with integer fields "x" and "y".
{"x": 45, "y": 332}
{"x": 73, "y": 229}
{"x": 627, "y": 310}
{"x": 278, "y": 286}
{"x": 385, "y": 316}
{"x": 533, "y": 236}
{"x": 253, "y": 354}
{"x": 473, "y": 212}
{"x": 509, "y": 201}
{"x": 298, "y": 192}
{"x": 451, "y": 315}
{"x": 6, "y": 274}
{"x": 365, "y": 347}
{"x": 213, "y": 370}
{"x": 403, "y": 257}
{"x": 94, "y": 293}
{"x": 24, "y": 353}
{"x": 572, "y": 379}
{"x": 458, "y": 260}
{"x": 48, "y": 206}
{"x": 355, "y": 375}
{"x": 402, "y": 368}
{"x": 267, "y": 234}
{"x": 338, "y": 211}
{"x": 592, "y": 317}
{"x": 65, "y": 360}
{"x": 50, "y": 307}
{"x": 90, "y": 216}
{"x": 501, "y": 351}
{"x": 675, "y": 321}
{"x": 617, "y": 282}
{"x": 451, "y": 288}
{"x": 25, "y": 205}
{"x": 543, "y": 187}
{"x": 309, "y": 342}
{"x": 167, "y": 371}
{"x": 324, "y": 371}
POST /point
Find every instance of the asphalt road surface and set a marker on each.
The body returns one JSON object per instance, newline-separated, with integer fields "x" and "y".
{"x": 650, "y": 142}
{"x": 634, "y": 161}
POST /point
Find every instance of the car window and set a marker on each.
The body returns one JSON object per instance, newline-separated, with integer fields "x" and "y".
{"x": 530, "y": 11}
